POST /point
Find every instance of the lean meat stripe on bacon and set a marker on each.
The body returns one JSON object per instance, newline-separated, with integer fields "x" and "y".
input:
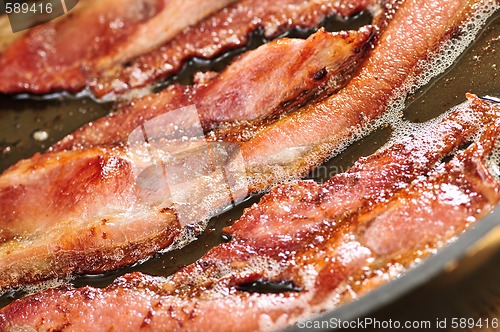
{"x": 95, "y": 209}
{"x": 394, "y": 194}
{"x": 227, "y": 29}
{"x": 61, "y": 54}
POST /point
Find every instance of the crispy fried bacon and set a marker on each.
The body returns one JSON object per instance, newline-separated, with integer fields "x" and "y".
{"x": 124, "y": 201}
{"x": 389, "y": 196}
{"x": 60, "y": 55}
{"x": 98, "y": 208}
{"x": 227, "y": 29}
{"x": 261, "y": 84}
{"x": 309, "y": 135}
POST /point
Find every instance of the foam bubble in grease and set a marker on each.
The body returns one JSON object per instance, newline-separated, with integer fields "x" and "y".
{"x": 493, "y": 161}
{"x": 405, "y": 131}
{"x": 37, "y": 288}
{"x": 451, "y": 49}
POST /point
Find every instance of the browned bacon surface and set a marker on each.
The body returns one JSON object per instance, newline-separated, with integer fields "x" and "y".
{"x": 99, "y": 208}
{"x": 417, "y": 28}
{"x": 255, "y": 87}
{"x": 326, "y": 243}
{"x": 60, "y": 55}
{"x": 227, "y": 29}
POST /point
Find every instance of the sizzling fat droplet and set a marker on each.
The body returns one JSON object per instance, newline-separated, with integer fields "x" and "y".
{"x": 40, "y": 135}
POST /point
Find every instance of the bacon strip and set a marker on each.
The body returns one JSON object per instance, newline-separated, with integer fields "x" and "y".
{"x": 255, "y": 87}
{"x": 60, "y": 55}
{"x": 308, "y": 136}
{"x": 225, "y": 30}
{"x": 326, "y": 243}
{"x": 99, "y": 208}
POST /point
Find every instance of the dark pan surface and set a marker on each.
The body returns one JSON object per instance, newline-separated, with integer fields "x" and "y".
{"x": 22, "y": 119}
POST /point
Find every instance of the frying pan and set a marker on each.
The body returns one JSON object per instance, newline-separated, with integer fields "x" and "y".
{"x": 31, "y": 124}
